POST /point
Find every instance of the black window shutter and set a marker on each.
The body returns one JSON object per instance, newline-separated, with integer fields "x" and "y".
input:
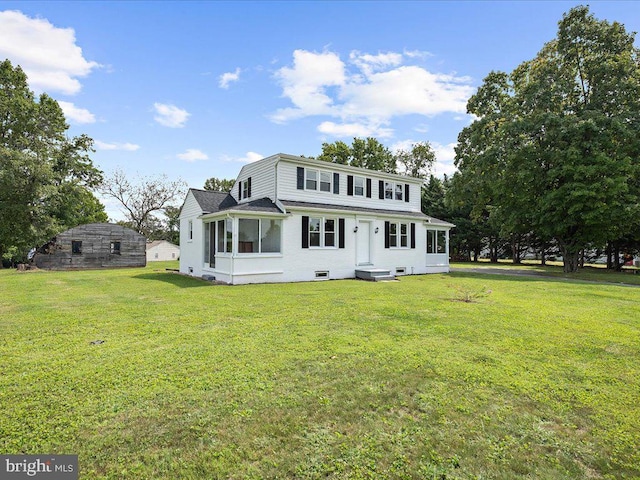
{"x": 413, "y": 235}
{"x": 406, "y": 192}
{"x": 368, "y": 188}
{"x": 381, "y": 190}
{"x": 341, "y": 233}
{"x": 249, "y": 187}
{"x": 386, "y": 234}
{"x": 300, "y": 174}
{"x": 305, "y": 232}
{"x": 349, "y": 184}
{"x": 336, "y": 183}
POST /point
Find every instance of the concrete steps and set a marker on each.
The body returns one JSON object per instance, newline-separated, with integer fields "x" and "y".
{"x": 374, "y": 274}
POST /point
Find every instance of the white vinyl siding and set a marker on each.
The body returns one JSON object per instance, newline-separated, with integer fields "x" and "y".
{"x": 287, "y": 182}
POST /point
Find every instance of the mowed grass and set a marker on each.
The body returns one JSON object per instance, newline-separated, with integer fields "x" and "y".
{"x": 539, "y": 378}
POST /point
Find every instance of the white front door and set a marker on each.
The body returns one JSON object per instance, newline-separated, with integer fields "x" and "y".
{"x": 364, "y": 242}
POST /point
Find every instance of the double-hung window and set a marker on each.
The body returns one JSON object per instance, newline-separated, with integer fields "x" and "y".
{"x": 393, "y": 235}
{"x": 325, "y": 181}
{"x": 358, "y": 186}
{"x": 399, "y": 235}
{"x": 311, "y": 179}
{"x": 322, "y": 232}
{"x": 399, "y": 191}
{"x": 246, "y": 188}
{"x": 388, "y": 190}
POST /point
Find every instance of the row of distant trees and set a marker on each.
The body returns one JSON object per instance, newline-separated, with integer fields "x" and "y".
{"x": 549, "y": 165}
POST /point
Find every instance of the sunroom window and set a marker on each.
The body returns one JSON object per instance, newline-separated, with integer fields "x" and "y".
{"x": 259, "y": 235}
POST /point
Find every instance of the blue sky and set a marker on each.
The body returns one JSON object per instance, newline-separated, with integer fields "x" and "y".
{"x": 196, "y": 89}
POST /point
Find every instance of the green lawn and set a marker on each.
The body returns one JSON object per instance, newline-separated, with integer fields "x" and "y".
{"x": 539, "y": 378}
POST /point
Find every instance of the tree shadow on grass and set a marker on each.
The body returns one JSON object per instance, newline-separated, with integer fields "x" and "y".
{"x": 182, "y": 281}
{"x": 521, "y": 276}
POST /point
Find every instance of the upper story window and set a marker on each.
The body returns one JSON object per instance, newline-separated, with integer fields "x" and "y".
{"x": 388, "y": 190}
{"x": 325, "y": 182}
{"x": 358, "y": 186}
{"x": 318, "y": 180}
{"x": 245, "y": 189}
{"x": 393, "y": 191}
{"x": 399, "y": 191}
{"x": 311, "y": 182}
{"x": 190, "y": 229}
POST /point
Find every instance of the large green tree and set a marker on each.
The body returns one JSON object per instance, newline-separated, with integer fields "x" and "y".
{"x": 46, "y": 177}
{"x": 363, "y": 152}
{"x": 218, "y": 184}
{"x": 554, "y": 151}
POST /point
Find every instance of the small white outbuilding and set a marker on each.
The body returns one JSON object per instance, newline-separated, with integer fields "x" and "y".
{"x": 161, "y": 251}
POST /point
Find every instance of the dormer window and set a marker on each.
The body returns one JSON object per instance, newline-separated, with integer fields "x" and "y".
{"x": 388, "y": 190}
{"x": 325, "y": 181}
{"x": 358, "y": 186}
{"x": 399, "y": 191}
{"x": 311, "y": 180}
{"x": 246, "y": 189}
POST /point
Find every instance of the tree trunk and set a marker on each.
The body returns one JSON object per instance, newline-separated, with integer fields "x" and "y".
{"x": 571, "y": 261}
{"x": 616, "y": 258}
{"x": 609, "y": 256}
{"x": 543, "y": 256}
{"x": 515, "y": 249}
{"x": 475, "y": 255}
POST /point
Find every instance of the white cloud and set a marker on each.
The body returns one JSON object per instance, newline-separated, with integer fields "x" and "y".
{"x": 193, "y": 155}
{"x": 371, "y": 63}
{"x": 306, "y": 84}
{"x": 445, "y": 155}
{"x": 418, "y": 54}
{"x": 368, "y": 91}
{"x": 75, "y": 114}
{"x": 350, "y": 130}
{"x": 128, "y": 147}
{"x": 249, "y": 157}
{"x": 227, "y": 78}
{"x": 47, "y": 54}
{"x": 170, "y": 115}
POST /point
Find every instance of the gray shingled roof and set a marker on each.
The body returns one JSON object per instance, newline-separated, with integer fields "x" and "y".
{"x": 378, "y": 211}
{"x": 212, "y": 202}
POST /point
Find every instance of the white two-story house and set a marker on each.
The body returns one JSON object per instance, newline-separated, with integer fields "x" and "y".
{"x": 291, "y": 219}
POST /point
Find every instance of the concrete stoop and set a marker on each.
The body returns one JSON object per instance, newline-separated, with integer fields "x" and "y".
{"x": 374, "y": 274}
